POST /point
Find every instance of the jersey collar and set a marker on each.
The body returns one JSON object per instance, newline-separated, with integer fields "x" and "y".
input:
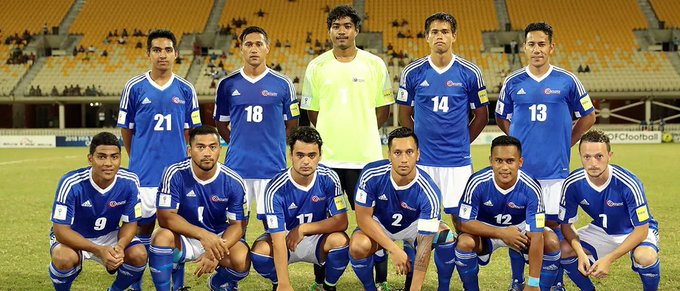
{"x": 397, "y": 187}
{"x": 253, "y": 80}
{"x": 538, "y": 79}
{"x": 506, "y": 191}
{"x": 206, "y": 182}
{"x": 441, "y": 71}
{"x": 604, "y": 186}
{"x": 303, "y": 188}
{"x": 96, "y": 187}
{"x": 159, "y": 87}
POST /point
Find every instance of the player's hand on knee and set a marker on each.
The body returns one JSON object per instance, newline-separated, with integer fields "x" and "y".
{"x": 513, "y": 237}
{"x": 294, "y": 237}
{"x": 205, "y": 265}
{"x": 109, "y": 257}
{"x": 120, "y": 251}
{"x": 401, "y": 262}
{"x": 214, "y": 246}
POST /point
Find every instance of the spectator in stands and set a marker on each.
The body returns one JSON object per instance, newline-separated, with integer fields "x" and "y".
{"x": 138, "y": 45}
{"x": 55, "y": 91}
{"x": 389, "y": 46}
{"x": 91, "y": 49}
{"x": 121, "y": 40}
{"x": 309, "y": 38}
{"x": 31, "y": 91}
{"x": 395, "y": 23}
{"x": 260, "y": 13}
{"x": 317, "y": 43}
{"x": 400, "y": 35}
{"x": 310, "y": 50}
{"x": 38, "y": 91}
{"x": 76, "y": 91}
{"x": 328, "y": 45}
{"x": 81, "y": 49}
{"x": 420, "y": 34}
{"x": 66, "y": 92}
{"x": 105, "y": 53}
{"x": 586, "y": 69}
{"x": 580, "y": 69}
{"x": 220, "y": 65}
{"x": 287, "y": 43}
{"x": 296, "y": 80}
{"x": 46, "y": 30}
{"x": 213, "y": 85}
{"x": 125, "y": 33}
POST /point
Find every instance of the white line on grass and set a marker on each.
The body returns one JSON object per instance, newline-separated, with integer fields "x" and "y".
{"x": 36, "y": 160}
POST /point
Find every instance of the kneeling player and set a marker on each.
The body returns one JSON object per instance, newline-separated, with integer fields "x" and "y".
{"x": 502, "y": 207}
{"x": 306, "y": 216}
{"x": 89, "y": 204}
{"x": 615, "y": 199}
{"x": 195, "y": 199}
{"x": 397, "y": 201}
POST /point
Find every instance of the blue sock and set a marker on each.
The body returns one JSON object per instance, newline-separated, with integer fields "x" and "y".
{"x": 177, "y": 276}
{"x": 127, "y": 274}
{"x": 445, "y": 260}
{"x": 62, "y": 280}
{"x": 363, "y": 268}
{"x": 570, "y": 265}
{"x": 336, "y": 263}
{"x": 650, "y": 276}
{"x": 380, "y": 264}
{"x": 560, "y": 271}
{"x": 550, "y": 269}
{"x": 411, "y": 254}
{"x": 264, "y": 265}
{"x": 468, "y": 268}
{"x": 146, "y": 241}
{"x": 225, "y": 275}
{"x": 516, "y": 265}
{"x": 160, "y": 264}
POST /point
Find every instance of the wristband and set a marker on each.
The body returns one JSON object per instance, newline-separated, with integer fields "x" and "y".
{"x": 533, "y": 282}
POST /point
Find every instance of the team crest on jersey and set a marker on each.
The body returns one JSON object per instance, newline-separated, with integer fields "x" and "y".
{"x": 177, "y": 100}
{"x": 114, "y": 204}
{"x": 270, "y": 94}
{"x": 218, "y": 199}
{"x": 450, "y": 83}
{"x": 405, "y": 206}
{"x": 549, "y": 91}
{"x": 357, "y": 80}
{"x": 515, "y": 206}
{"x": 317, "y": 198}
{"x": 614, "y": 204}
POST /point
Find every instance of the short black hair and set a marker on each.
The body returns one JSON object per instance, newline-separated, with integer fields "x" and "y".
{"x": 441, "y": 16}
{"x": 103, "y": 138}
{"x": 203, "y": 130}
{"x": 506, "y": 140}
{"x": 304, "y": 134}
{"x": 596, "y": 136}
{"x": 539, "y": 26}
{"x": 253, "y": 29}
{"x": 341, "y": 12}
{"x": 401, "y": 132}
{"x": 161, "y": 33}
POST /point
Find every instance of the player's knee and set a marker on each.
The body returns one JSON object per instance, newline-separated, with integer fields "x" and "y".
{"x": 337, "y": 240}
{"x": 645, "y": 256}
{"x": 239, "y": 260}
{"x": 262, "y": 247}
{"x": 359, "y": 246}
{"x": 567, "y": 251}
{"x": 551, "y": 243}
{"x": 466, "y": 243}
{"x": 136, "y": 255}
{"x": 64, "y": 258}
{"x": 163, "y": 238}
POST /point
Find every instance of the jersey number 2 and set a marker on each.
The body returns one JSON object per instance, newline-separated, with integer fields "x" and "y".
{"x": 160, "y": 119}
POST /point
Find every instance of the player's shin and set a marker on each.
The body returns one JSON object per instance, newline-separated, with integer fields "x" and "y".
{"x": 650, "y": 276}
{"x": 336, "y": 263}
{"x": 363, "y": 268}
{"x": 516, "y": 265}
{"x": 160, "y": 265}
{"x": 62, "y": 280}
{"x": 145, "y": 239}
{"x": 411, "y": 253}
{"x": 445, "y": 260}
{"x": 550, "y": 269}
{"x": 560, "y": 272}
{"x": 226, "y": 275}
{"x": 380, "y": 260}
{"x": 127, "y": 274}
{"x": 468, "y": 269}
{"x": 264, "y": 265}
{"x": 570, "y": 265}
{"x": 177, "y": 276}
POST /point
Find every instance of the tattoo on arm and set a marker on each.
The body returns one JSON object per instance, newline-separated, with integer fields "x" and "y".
{"x": 423, "y": 252}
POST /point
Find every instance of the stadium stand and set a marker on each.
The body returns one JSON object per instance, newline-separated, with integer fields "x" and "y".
{"x": 668, "y": 11}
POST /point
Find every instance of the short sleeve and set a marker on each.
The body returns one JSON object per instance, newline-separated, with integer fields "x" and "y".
{"x": 63, "y": 209}
{"x": 310, "y": 94}
{"x": 384, "y": 96}
{"x": 291, "y": 109}
{"x": 133, "y": 210}
{"x": 638, "y": 210}
{"x": 407, "y": 91}
{"x": 428, "y": 220}
{"x": 364, "y": 194}
{"x": 504, "y": 106}
{"x": 338, "y": 204}
{"x": 222, "y": 104}
{"x": 579, "y": 100}
{"x": 168, "y": 196}
{"x": 568, "y": 213}
{"x": 193, "y": 111}
{"x": 275, "y": 216}
{"x": 535, "y": 211}
{"x": 469, "y": 204}
{"x": 127, "y": 111}
{"x": 238, "y": 207}
{"x": 477, "y": 95}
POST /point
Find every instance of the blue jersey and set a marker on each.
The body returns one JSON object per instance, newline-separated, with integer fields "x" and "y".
{"x": 519, "y": 205}
{"x": 92, "y": 211}
{"x": 441, "y": 99}
{"x": 207, "y": 204}
{"x": 540, "y": 112}
{"x": 158, "y": 117}
{"x": 288, "y": 204}
{"x": 257, "y": 109}
{"x": 618, "y": 206}
{"x": 398, "y": 207}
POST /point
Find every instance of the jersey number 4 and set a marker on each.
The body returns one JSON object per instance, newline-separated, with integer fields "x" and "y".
{"x": 163, "y": 122}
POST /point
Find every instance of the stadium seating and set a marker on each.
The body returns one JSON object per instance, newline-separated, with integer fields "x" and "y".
{"x": 668, "y": 11}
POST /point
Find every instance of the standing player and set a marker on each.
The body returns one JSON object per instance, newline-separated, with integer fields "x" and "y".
{"x": 307, "y": 217}
{"x": 157, "y": 109}
{"x": 88, "y": 207}
{"x": 622, "y": 223}
{"x": 397, "y": 201}
{"x": 347, "y": 93}
{"x": 256, "y": 100}
{"x": 195, "y": 200}
{"x": 436, "y": 94}
{"x": 502, "y": 207}
{"x": 536, "y": 105}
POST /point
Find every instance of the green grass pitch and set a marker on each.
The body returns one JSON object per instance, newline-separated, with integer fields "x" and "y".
{"x": 29, "y": 177}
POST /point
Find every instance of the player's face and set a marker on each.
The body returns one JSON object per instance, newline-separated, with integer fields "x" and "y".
{"x": 505, "y": 162}
{"x": 105, "y": 162}
{"x": 440, "y": 38}
{"x": 343, "y": 33}
{"x": 162, "y": 54}
{"x": 305, "y": 158}
{"x": 205, "y": 151}
{"x": 595, "y": 158}
{"x": 254, "y": 49}
{"x": 538, "y": 48}
{"x": 403, "y": 155}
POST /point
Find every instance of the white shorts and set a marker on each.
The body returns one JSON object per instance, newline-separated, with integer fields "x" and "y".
{"x": 306, "y": 251}
{"x": 497, "y": 243}
{"x": 192, "y": 248}
{"x": 551, "y": 190}
{"x": 599, "y": 243}
{"x": 110, "y": 239}
{"x": 407, "y": 235}
{"x": 451, "y": 181}
{"x": 148, "y": 197}
{"x": 255, "y": 193}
